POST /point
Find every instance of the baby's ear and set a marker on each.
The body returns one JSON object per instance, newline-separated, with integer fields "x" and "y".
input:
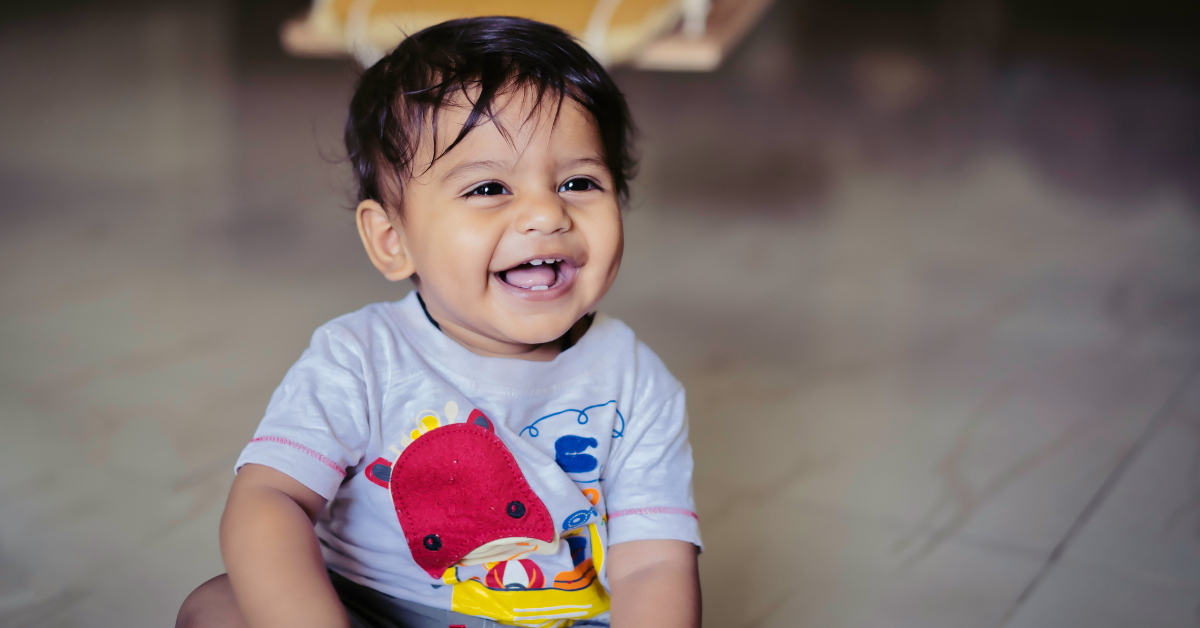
{"x": 383, "y": 239}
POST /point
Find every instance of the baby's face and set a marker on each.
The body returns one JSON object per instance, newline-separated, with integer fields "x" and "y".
{"x": 513, "y": 240}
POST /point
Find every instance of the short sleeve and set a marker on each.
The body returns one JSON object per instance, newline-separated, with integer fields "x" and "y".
{"x": 317, "y": 423}
{"x": 649, "y": 479}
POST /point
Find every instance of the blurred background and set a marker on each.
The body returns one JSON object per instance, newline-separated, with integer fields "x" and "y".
{"x": 929, "y": 270}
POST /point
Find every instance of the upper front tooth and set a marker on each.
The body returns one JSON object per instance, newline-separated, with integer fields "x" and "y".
{"x": 535, "y": 262}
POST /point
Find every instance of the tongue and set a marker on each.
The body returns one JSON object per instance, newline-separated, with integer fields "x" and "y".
{"x": 530, "y": 276}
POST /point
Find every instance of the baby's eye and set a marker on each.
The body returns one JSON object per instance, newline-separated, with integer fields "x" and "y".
{"x": 488, "y": 189}
{"x": 578, "y": 184}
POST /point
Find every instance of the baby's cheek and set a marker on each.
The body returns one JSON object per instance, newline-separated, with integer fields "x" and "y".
{"x": 463, "y": 255}
{"x": 607, "y": 243}
{"x": 605, "y": 232}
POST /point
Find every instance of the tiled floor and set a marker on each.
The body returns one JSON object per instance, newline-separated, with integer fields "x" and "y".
{"x": 941, "y": 342}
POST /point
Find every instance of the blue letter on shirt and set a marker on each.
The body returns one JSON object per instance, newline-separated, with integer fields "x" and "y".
{"x": 568, "y": 453}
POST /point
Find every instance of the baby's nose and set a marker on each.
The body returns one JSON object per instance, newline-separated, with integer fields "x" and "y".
{"x": 542, "y": 213}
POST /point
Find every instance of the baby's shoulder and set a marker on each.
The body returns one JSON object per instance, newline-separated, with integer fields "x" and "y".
{"x": 648, "y": 374}
{"x": 363, "y": 326}
{"x": 374, "y": 335}
{"x": 361, "y": 329}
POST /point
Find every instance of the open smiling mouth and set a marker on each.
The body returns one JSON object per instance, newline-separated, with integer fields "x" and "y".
{"x": 537, "y": 275}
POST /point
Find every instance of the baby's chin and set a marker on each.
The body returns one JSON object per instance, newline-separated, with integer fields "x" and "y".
{"x": 536, "y": 330}
{"x": 535, "y": 335}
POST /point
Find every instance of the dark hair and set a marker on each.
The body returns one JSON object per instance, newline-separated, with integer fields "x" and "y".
{"x": 475, "y": 58}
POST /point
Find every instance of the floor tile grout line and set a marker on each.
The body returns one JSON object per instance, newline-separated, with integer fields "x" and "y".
{"x": 1101, "y": 495}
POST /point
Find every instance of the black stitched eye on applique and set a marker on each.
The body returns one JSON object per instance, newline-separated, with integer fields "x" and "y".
{"x": 516, "y": 510}
{"x": 432, "y": 542}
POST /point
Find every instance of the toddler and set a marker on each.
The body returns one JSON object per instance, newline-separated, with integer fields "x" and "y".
{"x": 486, "y": 450}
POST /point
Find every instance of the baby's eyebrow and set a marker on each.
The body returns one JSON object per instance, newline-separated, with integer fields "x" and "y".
{"x": 471, "y": 166}
{"x": 593, "y": 160}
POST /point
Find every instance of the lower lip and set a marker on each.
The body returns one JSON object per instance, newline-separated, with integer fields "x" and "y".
{"x": 566, "y": 282}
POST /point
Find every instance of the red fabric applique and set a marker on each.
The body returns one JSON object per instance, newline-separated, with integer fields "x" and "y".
{"x": 379, "y": 472}
{"x": 457, "y": 488}
{"x": 475, "y": 419}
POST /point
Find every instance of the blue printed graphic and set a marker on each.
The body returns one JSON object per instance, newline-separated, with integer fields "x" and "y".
{"x": 578, "y": 518}
{"x": 581, "y": 417}
{"x": 577, "y": 545}
{"x": 568, "y": 453}
{"x": 599, "y": 478}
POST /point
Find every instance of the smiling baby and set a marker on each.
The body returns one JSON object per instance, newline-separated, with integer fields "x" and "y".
{"x": 488, "y": 450}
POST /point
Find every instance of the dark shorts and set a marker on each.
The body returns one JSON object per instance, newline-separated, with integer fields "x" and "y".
{"x": 369, "y": 608}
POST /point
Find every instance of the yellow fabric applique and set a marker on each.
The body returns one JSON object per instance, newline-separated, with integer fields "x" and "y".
{"x": 516, "y": 593}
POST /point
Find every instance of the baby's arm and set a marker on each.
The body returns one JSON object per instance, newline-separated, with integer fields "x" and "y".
{"x": 272, "y": 555}
{"x": 654, "y": 584}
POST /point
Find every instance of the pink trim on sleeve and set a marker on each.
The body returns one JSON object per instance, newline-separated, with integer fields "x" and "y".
{"x": 311, "y": 452}
{"x": 656, "y": 510}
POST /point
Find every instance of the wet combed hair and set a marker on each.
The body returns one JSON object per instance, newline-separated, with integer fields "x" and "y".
{"x": 472, "y": 61}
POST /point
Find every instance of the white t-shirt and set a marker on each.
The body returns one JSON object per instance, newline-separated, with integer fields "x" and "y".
{"x": 598, "y": 437}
